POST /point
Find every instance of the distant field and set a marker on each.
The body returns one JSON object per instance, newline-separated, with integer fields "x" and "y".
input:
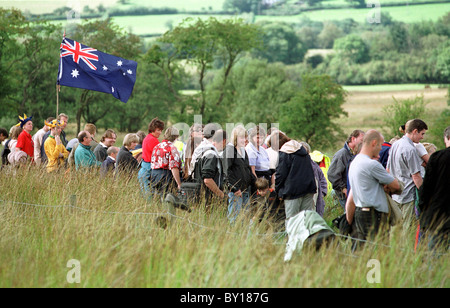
{"x": 158, "y": 24}
{"x": 405, "y": 13}
{"x": 389, "y": 87}
{"x": 48, "y": 6}
{"x": 365, "y": 104}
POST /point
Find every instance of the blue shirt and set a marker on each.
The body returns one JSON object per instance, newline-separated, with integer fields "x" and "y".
{"x": 258, "y": 158}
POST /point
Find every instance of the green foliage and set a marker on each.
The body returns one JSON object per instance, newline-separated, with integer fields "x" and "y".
{"x": 27, "y": 67}
{"x": 436, "y": 132}
{"x": 329, "y": 34}
{"x": 255, "y": 93}
{"x": 353, "y": 48}
{"x": 399, "y": 36}
{"x": 310, "y": 113}
{"x": 243, "y": 6}
{"x": 280, "y": 43}
{"x": 201, "y": 43}
{"x": 401, "y": 111}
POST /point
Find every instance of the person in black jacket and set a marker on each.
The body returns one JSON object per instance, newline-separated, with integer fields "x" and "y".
{"x": 294, "y": 177}
{"x": 125, "y": 162}
{"x": 208, "y": 169}
{"x": 238, "y": 173}
{"x": 434, "y": 197}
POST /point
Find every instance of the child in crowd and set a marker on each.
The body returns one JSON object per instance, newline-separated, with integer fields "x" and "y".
{"x": 266, "y": 203}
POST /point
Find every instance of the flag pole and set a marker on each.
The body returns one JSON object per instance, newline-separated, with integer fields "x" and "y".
{"x": 58, "y": 88}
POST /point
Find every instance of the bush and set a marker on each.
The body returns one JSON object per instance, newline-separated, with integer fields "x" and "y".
{"x": 401, "y": 111}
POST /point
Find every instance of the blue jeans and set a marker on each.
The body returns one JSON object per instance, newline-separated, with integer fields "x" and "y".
{"x": 236, "y": 204}
{"x": 144, "y": 175}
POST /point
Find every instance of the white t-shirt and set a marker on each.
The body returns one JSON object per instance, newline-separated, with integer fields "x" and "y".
{"x": 367, "y": 177}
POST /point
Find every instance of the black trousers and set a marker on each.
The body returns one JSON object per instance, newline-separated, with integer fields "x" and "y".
{"x": 369, "y": 222}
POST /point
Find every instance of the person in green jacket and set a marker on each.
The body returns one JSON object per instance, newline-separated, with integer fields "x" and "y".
{"x": 84, "y": 157}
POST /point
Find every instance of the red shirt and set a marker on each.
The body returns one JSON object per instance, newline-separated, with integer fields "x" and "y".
{"x": 147, "y": 147}
{"x": 25, "y": 143}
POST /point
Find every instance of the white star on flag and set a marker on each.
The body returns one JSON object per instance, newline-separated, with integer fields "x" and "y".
{"x": 105, "y": 68}
{"x": 112, "y": 89}
{"x": 75, "y": 73}
{"x": 130, "y": 72}
{"x": 119, "y": 63}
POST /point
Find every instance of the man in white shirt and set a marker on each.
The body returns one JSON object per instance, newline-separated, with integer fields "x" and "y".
{"x": 367, "y": 206}
{"x": 37, "y": 140}
{"x": 404, "y": 164}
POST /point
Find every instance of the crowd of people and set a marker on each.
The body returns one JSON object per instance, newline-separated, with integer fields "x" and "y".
{"x": 265, "y": 173}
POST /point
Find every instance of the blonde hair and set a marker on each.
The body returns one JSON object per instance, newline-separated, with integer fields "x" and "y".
{"x": 431, "y": 148}
{"x": 129, "y": 139}
{"x": 15, "y": 132}
{"x": 236, "y": 132}
{"x": 63, "y": 115}
{"x": 91, "y": 128}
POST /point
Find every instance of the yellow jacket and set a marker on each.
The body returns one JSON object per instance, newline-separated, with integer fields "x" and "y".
{"x": 52, "y": 151}
{"x": 324, "y": 162}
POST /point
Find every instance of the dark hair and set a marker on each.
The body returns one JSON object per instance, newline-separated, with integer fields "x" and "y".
{"x": 257, "y": 130}
{"x": 279, "y": 138}
{"x": 82, "y": 135}
{"x": 210, "y": 130}
{"x": 416, "y": 124}
{"x": 356, "y": 133}
{"x": 155, "y": 124}
{"x": 219, "y": 136}
{"x": 108, "y": 134}
{"x": 49, "y": 119}
{"x": 447, "y": 132}
{"x": 4, "y": 132}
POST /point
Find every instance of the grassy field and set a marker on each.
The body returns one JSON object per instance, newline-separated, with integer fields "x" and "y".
{"x": 365, "y": 105}
{"x": 111, "y": 232}
{"x": 404, "y": 13}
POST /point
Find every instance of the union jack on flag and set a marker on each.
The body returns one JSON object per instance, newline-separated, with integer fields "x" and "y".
{"x": 77, "y": 53}
{"x": 96, "y": 71}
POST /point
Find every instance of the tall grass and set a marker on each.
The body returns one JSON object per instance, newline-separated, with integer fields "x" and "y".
{"x": 111, "y": 230}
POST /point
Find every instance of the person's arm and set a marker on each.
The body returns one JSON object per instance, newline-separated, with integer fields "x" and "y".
{"x": 417, "y": 178}
{"x": 212, "y": 186}
{"x": 176, "y": 176}
{"x": 393, "y": 187}
{"x": 253, "y": 170}
{"x": 350, "y": 208}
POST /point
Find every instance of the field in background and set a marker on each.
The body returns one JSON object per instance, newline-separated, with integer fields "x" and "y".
{"x": 158, "y": 24}
{"x": 406, "y": 11}
{"x": 365, "y": 105}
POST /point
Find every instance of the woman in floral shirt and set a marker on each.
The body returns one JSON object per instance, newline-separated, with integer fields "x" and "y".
{"x": 166, "y": 162}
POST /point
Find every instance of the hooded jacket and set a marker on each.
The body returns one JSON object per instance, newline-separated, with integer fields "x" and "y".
{"x": 294, "y": 177}
{"x": 206, "y": 163}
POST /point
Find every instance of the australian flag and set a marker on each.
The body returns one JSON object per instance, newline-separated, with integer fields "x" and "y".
{"x": 83, "y": 67}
